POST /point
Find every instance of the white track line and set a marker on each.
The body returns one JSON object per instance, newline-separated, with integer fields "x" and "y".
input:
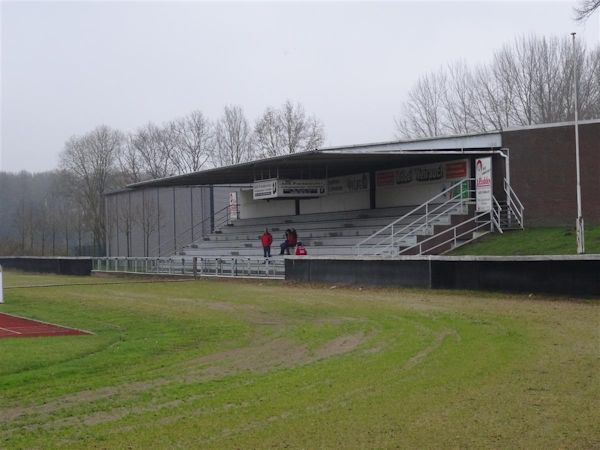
{"x": 47, "y": 323}
{"x": 10, "y": 331}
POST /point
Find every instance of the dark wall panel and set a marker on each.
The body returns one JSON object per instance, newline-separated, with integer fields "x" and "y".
{"x": 63, "y": 266}
{"x": 556, "y": 275}
{"x": 370, "y": 272}
{"x": 542, "y": 166}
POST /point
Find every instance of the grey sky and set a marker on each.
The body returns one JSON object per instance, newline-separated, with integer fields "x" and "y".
{"x": 68, "y": 67}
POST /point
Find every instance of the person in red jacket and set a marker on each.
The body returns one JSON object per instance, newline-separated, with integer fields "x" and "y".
{"x": 266, "y": 240}
{"x": 301, "y": 250}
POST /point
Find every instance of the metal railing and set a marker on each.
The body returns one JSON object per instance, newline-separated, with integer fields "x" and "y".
{"x": 233, "y": 267}
{"x": 484, "y": 222}
{"x": 515, "y": 207}
{"x": 452, "y": 199}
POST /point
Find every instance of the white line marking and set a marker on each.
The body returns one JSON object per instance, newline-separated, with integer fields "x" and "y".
{"x": 10, "y": 331}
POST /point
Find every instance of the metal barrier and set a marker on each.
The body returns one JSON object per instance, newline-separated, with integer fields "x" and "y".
{"x": 234, "y": 267}
{"x": 452, "y": 200}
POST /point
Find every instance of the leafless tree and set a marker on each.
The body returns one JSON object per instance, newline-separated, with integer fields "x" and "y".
{"x": 154, "y": 147}
{"x": 528, "y": 82}
{"x": 287, "y": 130}
{"x": 124, "y": 221}
{"x": 422, "y": 113}
{"x": 233, "y": 138}
{"x": 131, "y": 163}
{"x": 145, "y": 215}
{"x": 585, "y": 9}
{"x": 91, "y": 160}
{"x": 194, "y": 142}
{"x": 269, "y": 134}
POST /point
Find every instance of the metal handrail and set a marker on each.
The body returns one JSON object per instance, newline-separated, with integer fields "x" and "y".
{"x": 493, "y": 221}
{"x": 455, "y": 236}
{"x": 428, "y": 217}
{"x": 412, "y": 212}
{"x": 196, "y": 267}
{"x": 516, "y": 207}
{"x": 495, "y": 215}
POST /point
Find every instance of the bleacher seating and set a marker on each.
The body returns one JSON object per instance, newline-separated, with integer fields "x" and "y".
{"x": 323, "y": 234}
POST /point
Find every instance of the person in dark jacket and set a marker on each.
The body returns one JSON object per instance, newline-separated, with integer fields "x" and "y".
{"x": 286, "y": 245}
{"x": 266, "y": 240}
{"x": 293, "y": 237}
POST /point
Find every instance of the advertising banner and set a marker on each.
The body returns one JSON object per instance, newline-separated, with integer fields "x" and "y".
{"x": 301, "y": 188}
{"x": 429, "y": 173}
{"x": 281, "y": 188}
{"x": 483, "y": 184}
{"x": 348, "y": 184}
{"x": 264, "y": 189}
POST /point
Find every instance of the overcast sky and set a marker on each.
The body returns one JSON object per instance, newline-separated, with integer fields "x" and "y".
{"x": 68, "y": 67}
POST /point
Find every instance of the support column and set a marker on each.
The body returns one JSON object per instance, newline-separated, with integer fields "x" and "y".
{"x": 372, "y": 190}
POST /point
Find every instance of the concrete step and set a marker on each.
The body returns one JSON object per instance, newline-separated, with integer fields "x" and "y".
{"x": 316, "y": 217}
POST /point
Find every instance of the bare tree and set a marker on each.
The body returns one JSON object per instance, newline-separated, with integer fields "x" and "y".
{"x": 145, "y": 215}
{"x": 422, "y": 113}
{"x": 194, "y": 142}
{"x": 528, "y": 82}
{"x": 152, "y": 147}
{"x": 585, "y": 9}
{"x": 131, "y": 163}
{"x": 91, "y": 159}
{"x": 233, "y": 138}
{"x": 269, "y": 134}
{"x": 287, "y": 130}
{"x": 124, "y": 221}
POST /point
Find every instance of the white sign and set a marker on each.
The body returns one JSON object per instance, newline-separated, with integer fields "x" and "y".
{"x": 233, "y": 206}
{"x": 278, "y": 188}
{"x": 264, "y": 189}
{"x": 302, "y": 188}
{"x": 483, "y": 184}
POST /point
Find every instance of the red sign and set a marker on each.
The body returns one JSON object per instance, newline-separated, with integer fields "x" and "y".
{"x": 456, "y": 170}
{"x": 385, "y": 178}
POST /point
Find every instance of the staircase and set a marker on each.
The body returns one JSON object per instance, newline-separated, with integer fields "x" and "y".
{"x": 425, "y": 236}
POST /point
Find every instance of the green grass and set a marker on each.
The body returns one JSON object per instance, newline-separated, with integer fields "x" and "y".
{"x": 232, "y": 364}
{"x": 533, "y": 241}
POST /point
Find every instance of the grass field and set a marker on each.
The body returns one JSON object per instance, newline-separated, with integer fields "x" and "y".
{"x": 232, "y": 364}
{"x": 533, "y": 241}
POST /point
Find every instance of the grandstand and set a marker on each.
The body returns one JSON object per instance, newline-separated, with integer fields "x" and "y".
{"x": 325, "y": 234}
{"x": 383, "y": 200}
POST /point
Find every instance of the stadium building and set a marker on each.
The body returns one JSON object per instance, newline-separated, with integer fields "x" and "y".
{"x": 386, "y": 199}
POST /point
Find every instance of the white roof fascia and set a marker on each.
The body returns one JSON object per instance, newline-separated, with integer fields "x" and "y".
{"x": 491, "y": 140}
{"x": 551, "y": 125}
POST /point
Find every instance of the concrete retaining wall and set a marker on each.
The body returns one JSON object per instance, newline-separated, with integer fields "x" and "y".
{"x": 572, "y": 275}
{"x": 63, "y": 266}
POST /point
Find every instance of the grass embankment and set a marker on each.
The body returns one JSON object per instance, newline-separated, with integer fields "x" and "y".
{"x": 216, "y": 364}
{"x": 533, "y": 241}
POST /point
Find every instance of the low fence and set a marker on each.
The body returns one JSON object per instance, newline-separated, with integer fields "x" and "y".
{"x": 570, "y": 275}
{"x": 194, "y": 267}
{"x": 58, "y": 265}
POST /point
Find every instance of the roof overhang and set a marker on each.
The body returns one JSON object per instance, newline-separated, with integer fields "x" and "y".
{"x": 338, "y": 161}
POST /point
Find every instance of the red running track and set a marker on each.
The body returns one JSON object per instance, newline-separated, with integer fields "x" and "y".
{"x": 14, "y": 326}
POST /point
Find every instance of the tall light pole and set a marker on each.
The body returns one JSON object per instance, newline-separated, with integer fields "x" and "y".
{"x": 579, "y": 222}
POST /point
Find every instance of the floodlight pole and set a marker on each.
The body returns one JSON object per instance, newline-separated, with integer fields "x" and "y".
{"x": 579, "y": 222}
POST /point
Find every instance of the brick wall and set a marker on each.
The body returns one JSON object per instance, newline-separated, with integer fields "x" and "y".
{"x": 542, "y": 169}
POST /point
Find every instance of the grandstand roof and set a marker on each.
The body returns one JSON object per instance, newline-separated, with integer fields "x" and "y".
{"x": 336, "y": 161}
